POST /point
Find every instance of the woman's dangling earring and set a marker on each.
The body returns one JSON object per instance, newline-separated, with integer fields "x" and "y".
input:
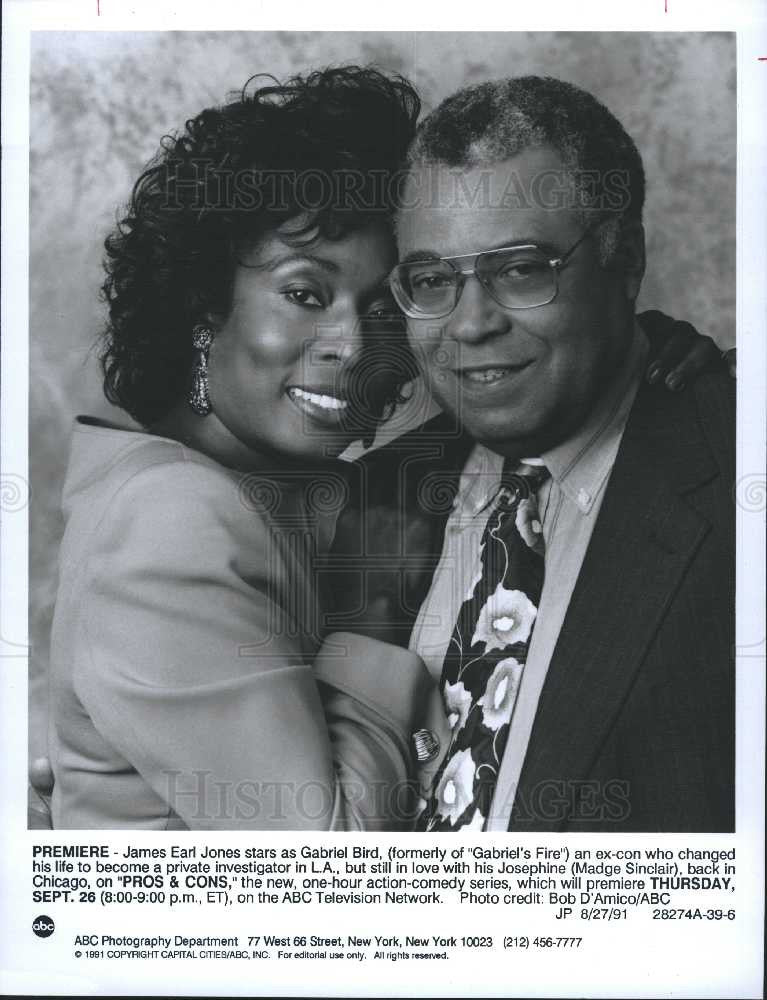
{"x": 199, "y": 400}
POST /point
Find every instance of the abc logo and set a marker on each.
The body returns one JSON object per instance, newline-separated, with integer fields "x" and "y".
{"x": 43, "y": 926}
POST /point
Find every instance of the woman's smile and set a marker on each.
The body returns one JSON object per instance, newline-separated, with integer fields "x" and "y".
{"x": 321, "y": 404}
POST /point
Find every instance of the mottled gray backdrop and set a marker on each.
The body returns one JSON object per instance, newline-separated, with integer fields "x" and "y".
{"x": 101, "y": 101}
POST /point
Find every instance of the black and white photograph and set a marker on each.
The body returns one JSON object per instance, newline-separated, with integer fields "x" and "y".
{"x": 530, "y": 588}
{"x": 382, "y": 457}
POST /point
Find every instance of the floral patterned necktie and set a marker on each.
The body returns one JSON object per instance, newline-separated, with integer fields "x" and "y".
{"x": 484, "y": 661}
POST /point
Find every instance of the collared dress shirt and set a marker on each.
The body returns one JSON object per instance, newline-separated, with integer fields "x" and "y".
{"x": 568, "y": 503}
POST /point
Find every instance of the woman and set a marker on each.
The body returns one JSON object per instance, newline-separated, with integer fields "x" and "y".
{"x": 194, "y": 685}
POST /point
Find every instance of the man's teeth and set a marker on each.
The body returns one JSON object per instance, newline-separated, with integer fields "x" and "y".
{"x": 489, "y": 375}
{"x": 319, "y": 399}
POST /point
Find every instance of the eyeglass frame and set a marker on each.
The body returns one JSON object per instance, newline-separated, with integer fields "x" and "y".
{"x": 555, "y": 263}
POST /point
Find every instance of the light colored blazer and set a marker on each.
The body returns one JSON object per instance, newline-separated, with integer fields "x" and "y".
{"x": 189, "y": 687}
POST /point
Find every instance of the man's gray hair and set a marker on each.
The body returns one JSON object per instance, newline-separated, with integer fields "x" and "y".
{"x": 491, "y": 122}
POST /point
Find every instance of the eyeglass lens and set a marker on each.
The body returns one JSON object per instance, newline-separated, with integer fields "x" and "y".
{"x": 517, "y": 278}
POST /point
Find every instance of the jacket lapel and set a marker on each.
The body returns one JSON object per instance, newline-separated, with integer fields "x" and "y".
{"x": 418, "y": 474}
{"x": 429, "y": 475}
{"x": 408, "y": 488}
{"x": 644, "y": 539}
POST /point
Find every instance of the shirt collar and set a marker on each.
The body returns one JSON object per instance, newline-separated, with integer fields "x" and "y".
{"x": 580, "y": 464}
{"x": 479, "y": 481}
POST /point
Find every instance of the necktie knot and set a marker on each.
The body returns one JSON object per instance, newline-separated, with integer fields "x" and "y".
{"x": 520, "y": 483}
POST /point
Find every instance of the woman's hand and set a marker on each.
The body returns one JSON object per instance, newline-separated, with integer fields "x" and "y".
{"x": 38, "y": 798}
{"x": 435, "y": 720}
{"x": 681, "y": 352}
{"x": 41, "y": 776}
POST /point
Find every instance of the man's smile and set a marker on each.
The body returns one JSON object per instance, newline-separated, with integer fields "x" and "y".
{"x": 483, "y": 377}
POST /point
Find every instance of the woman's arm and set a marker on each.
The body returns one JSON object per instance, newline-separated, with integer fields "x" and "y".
{"x": 192, "y": 624}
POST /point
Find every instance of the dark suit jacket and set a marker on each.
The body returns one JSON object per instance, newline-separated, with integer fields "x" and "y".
{"x": 635, "y": 725}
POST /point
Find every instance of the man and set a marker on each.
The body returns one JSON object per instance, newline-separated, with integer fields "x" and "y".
{"x": 564, "y": 530}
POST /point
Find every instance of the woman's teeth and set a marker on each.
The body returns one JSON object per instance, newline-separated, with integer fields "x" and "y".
{"x": 489, "y": 375}
{"x": 319, "y": 399}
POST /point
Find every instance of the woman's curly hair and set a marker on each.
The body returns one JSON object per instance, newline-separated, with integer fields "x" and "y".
{"x": 326, "y": 148}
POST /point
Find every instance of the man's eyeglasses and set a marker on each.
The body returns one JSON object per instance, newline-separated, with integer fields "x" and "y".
{"x": 519, "y": 277}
